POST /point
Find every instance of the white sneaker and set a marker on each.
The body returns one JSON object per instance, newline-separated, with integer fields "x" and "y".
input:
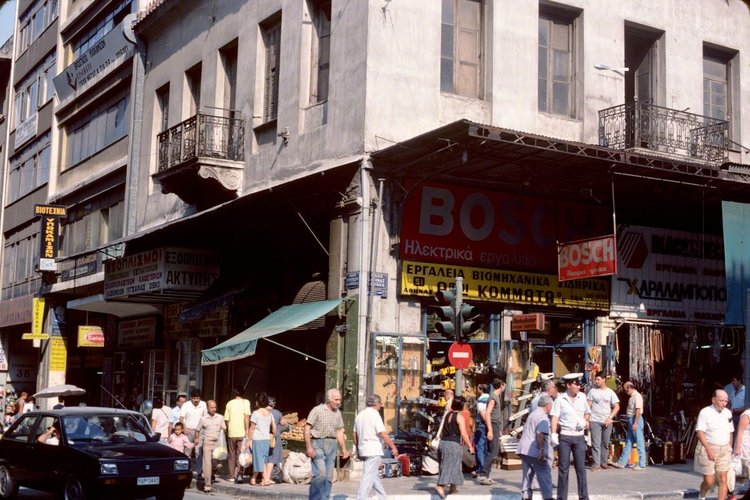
{"x": 638, "y": 468}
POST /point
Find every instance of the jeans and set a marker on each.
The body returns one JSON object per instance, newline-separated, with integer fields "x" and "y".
{"x": 322, "y": 468}
{"x": 636, "y": 437}
{"x": 576, "y": 444}
{"x": 370, "y": 479}
{"x": 532, "y": 466}
{"x": 493, "y": 447}
{"x": 600, "y": 437}
{"x": 480, "y": 445}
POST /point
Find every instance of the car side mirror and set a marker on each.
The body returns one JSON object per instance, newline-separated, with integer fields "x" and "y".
{"x": 156, "y": 437}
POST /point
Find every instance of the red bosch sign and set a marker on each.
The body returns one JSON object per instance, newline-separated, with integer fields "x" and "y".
{"x": 587, "y": 258}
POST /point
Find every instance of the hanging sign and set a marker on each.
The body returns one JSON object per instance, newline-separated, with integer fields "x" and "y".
{"x": 50, "y": 230}
{"x": 58, "y": 355}
{"x": 90, "y": 336}
{"x": 527, "y": 323}
{"x": 586, "y": 258}
{"x": 37, "y": 319}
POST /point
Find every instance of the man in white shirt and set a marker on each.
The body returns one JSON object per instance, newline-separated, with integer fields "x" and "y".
{"x": 190, "y": 416}
{"x": 634, "y": 429}
{"x": 604, "y": 407}
{"x": 736, "y": 392}
{"x": 713, "y": 454}
{"x": 570, "y": 415}
{"x": 369, "y": 436}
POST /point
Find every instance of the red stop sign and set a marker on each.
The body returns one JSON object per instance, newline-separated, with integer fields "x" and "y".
{"x": 460, "y": 355}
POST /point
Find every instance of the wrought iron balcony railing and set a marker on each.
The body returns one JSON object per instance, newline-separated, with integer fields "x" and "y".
{"x": 202, "y": 136}
{"x": 645, "y": 125}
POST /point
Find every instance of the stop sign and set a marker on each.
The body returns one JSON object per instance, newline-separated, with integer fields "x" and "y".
{"x": 460, "y": 355}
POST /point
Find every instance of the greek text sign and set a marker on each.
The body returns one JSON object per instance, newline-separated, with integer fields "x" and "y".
{"x": 494, "y": 285}
{"x": 586, "y": 258}
{"x": 160, "y": 270}
{"x": 114, "y": 47}
{"x": 463, "y": 226}
{"x": 136, "y": 333}
{"x": 669, "y": 275}
{"x": 58, "y": 355}
{"x": 26, "y": 130}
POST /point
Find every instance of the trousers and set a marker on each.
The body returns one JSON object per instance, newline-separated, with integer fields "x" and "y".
{"x": 542, "y": 470}
{"x": 370, "y": 479}
{"x": 637, "y": 438}
{"x": 208, "y": 452}
{"x": 576, "y": 445}
{"x": 493, "y": 447}
{"x": 234, "y": 446}
{"x": 600, "y": 437}
{"x": 480, "y": 445}
{"x": 322, "y": 468}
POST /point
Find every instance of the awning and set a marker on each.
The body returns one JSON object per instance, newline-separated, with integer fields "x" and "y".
{"x": 244, "y": 343}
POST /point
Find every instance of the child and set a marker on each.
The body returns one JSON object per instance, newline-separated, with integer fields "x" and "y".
{"x": 180, "y": 441}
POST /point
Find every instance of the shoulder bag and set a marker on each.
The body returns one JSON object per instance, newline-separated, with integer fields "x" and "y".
{"x": 435, "y": 443}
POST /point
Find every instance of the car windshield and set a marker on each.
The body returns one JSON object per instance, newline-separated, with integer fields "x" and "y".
{"x": 104, "y": 429}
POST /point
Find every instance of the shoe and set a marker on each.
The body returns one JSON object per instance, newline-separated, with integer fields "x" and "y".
{"x": 453, "y": 489}
{"x": 486, "y": 481}
{"x": 638, "y": 468}
{"x": 604, "y": 466}
{"x": 618, "y": 465}
{"x": 238, "y": 480}
{"x": 594, "y": 468}
{"x": 474, "y": 474}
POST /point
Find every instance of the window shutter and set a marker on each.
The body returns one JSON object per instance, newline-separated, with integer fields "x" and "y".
{"x": 469, "y": 47}
{"x": 271, "y": 90}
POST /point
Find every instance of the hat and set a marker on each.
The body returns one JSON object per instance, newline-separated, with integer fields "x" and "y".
{"x": 573, "y": 378}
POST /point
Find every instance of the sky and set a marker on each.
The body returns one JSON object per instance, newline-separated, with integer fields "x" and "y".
{"x": 7, "y": 11}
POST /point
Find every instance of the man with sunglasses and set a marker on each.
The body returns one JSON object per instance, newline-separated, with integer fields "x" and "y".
{"x": 570, "y": 418}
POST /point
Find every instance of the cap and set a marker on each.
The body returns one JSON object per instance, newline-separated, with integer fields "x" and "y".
{"x": 573, "y": 378}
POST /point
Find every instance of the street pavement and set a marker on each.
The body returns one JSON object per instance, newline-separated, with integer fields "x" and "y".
{"x": 655, "y": 482}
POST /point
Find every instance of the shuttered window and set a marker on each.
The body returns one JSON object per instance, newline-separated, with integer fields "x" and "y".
{"x": 556, "y": 62}
{"x": 272, "y": 40}
{"x": 461, "y": 47}
{"x": 321, "y": 50}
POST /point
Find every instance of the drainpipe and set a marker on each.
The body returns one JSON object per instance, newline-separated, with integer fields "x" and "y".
{"x": 364, "y": 274}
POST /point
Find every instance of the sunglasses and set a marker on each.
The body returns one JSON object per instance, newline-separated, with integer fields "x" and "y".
{"x": 576, "y": 382}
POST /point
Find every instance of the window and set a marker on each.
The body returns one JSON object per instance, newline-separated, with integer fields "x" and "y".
{"x": 162, "y": 103}
{"x": 556, "y": 63}
{"x": 29, "y": 169}
{"x": 193, "y": 89}
{"x": 34, "y": 22}
{"x": 272, "y": 53}
{"x": 97, "y": 31}
{"x": 228, "y": 56}
{"x": 461, "y": 47}
{"x": 93, "y": 224}
{"x": 35, "y": 90}
{"x": 715, "y": 86}
{"x": 100, "y": 128}
{"x": 320, "y": 12}
{"x": 19, "y": 258}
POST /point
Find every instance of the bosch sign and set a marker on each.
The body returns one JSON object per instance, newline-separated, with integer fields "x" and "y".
{"x": 587, "y": 259}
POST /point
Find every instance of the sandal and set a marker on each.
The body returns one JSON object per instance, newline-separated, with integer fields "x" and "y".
{"x": 267, "y": 483}
{"x": 252, "y": 482}
{"x": 440, "y": 491}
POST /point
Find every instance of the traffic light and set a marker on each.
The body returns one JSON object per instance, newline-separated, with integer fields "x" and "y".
{"x": 446, "y": 311}
{"x": 470, "y": 318}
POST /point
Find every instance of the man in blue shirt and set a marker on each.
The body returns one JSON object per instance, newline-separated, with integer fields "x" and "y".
{"x": 736, "y": 392}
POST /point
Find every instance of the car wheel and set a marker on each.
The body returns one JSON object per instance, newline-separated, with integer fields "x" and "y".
{"x": 174, "y": 495}
{"x": 8, "y": 485}
{"x": 74, "y": 489}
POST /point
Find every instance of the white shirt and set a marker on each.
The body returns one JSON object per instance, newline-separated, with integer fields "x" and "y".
{"x": 367, "y": 425}
{"x": 634, "y": 403}
{"x": 571, "y": 412}
{"x": 717, "y": 425}
{"x": 602, "y": 402}
{"x": 192, "y": 413}
{"x": 736, "y": 396}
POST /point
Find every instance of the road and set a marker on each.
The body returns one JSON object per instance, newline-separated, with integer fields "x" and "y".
{"x": 190, "y": 494}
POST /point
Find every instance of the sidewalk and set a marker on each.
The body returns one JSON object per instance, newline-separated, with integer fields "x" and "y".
{"x": 662, "y": 481}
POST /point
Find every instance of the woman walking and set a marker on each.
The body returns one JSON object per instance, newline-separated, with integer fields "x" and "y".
{"x": 262, "y": 427}
{"x": 450, "y": 452}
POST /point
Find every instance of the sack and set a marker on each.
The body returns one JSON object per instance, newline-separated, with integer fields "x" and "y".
{"x": 220, "y": 452}
{"x": 273, "y": 441}
{"x": 737, "y": 466}
{"x": 246, "y": 458}
{"x": 297, "y": 468}
{"x": 435, "y": 442}
{"x": 731, "y": 479}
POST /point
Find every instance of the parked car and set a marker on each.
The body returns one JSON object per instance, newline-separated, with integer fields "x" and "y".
{"x": 88, "y": 452}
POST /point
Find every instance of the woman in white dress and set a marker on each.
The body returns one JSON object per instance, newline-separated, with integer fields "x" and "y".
{"x": 742, "y": 443}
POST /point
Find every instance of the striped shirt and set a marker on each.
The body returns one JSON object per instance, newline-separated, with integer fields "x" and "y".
{"x": 323, "y": 422}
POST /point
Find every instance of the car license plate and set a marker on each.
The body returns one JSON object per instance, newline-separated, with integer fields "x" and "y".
{"x": 143, "y": 481}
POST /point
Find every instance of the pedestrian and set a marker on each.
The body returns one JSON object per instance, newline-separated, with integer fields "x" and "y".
{"x": 547, "y": 387}
{"x": 634, "y": 429}
{"x": 605, "y": 405}
{"x": 237, "y": 415}
{"x": 135, "y": 400}
{"x": 262, "y": 427}
{"x": 535, "y": 449}
{"x": 480, "y": 429}
{"x": 174, "y": 416}
{"x": 323, "y": 429}
{"x": 450, "y": 453}
{"x": 21, "y": 401}
{"x": 713, "y": 453}
{"x": 369, "y": 437}
{"x": 736, "y": 392}
{"x": 179, "y": 441}
{"x": 210, "y": 426}
{"x": 570, "y": 417}
{"x": 281, "y": 426}
{"x": 448, "y": 395}
{"x": 493, "y": 419}
{"x": 160, "y": 420}
{"x": 29, "y": 404}
{"x": 60, "y": 403}
{"x": 190, "y": 415}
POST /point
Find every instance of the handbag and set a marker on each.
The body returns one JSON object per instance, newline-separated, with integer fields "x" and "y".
{"x": 435, "y": 443}
{"x": 273, "y": 441}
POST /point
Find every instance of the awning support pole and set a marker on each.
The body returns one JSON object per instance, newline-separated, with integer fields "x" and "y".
{"x": 307, "y": 356}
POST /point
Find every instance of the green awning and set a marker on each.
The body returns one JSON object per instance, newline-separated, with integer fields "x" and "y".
{"x": 287, "y": 318}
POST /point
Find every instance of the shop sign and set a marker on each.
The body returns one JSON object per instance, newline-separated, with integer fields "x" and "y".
{"x": 669, "y": 275}
{"x": 15, "y": 311}
{"x": 3, "y": 352}
{"x": 474, "y": 227}
{"x": 527, "y": 323}
{"x": 23, "y": 368}
{"x": 78, "y": 267}
{"x": 213, "y": 324}
{"x": 58, "y": 354}
{"x": 160, "y": 270}
{"x": 90, "y": 336}
{"x": 111, "y": 49}
{"x": 586, "y": 258}
{"x": 136, "y": 333}
{"x": 37, "y": 319}
{"x": 494, "y": 285}
{"x": 50, "y": 230}
{"x": 26, "y": 130}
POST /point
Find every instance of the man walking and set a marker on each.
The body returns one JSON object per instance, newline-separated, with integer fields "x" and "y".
{"x": 237, "y": 416}
{"x": 324, "y": 428}
{"x": 535, "y": 450}
{"x": 207, "y": 435}
{"x": 547, "y": 387}
{"x": 369, "y": 436}
{"x": 604, "y": 405}
{"x": 174, "y": 416}
{"x": 570, "y": 416}
{"x": 190, "y": 416}
{"x": 480, "y": 429}
{"x": 493, "y": 418}
{"x": 713, "y": 453}
{"x": 736, "y": 392}
{"x": 634, "y": 429}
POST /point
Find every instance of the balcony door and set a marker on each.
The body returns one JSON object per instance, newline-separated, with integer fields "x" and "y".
{"x": 641, "y": 57}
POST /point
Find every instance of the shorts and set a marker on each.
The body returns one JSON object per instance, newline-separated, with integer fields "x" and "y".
{"x": 722, "y": 462}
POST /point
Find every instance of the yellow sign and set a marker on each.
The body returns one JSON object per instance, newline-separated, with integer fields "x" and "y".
{"x": 58, "y": 355}
{"x": 35, "y": 336}
{"x": 90, "y": 336}
{"x": 37, "y": 315}
{"x": 492, "y": 285}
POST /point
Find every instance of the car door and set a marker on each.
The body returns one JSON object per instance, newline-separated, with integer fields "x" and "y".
{"x": 50, "y": 461}
{"x": 16, "y": 450}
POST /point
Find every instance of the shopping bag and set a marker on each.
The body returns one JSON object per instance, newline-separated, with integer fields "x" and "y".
{"x": 220, "y": 452}
{"x": 246, "y": 458}
{"x": 297, "y": 468}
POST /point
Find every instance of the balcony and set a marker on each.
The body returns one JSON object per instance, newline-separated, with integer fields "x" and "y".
{"x": 644, "y": 126}
{"x": 201, "y": 160}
